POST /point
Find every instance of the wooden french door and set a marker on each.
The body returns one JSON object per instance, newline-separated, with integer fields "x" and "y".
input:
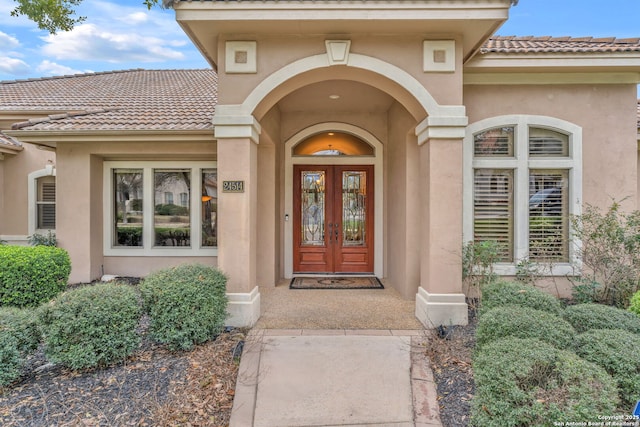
{"x": 333, "y": 219}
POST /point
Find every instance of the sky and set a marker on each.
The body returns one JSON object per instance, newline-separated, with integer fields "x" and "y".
{"x": 123, "y": 34}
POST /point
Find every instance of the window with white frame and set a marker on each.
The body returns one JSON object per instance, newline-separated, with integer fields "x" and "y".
{"x": 142, "y": 218}
{"x": 41, "y": 196}
{"x": 522, "y": 184}
{"x": 46, "y": 203}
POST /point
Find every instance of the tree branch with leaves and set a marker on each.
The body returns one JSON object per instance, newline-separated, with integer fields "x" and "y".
{"x": 60, "y": 15}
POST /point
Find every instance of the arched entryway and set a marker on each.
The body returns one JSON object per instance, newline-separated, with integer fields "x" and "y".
{"x": 390, "y": 110}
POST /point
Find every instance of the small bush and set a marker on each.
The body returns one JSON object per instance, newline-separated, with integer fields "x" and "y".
{"x": 525, "y": 382}
{"x": 23, "y": 325}
{"x": 48, "y": 239}
{"x": 187, "y": 304}
{"x": 30, "y": 276}
{"x": 523, "y": 322}
{"x": 610, "y": 252}
{"x": 91, "y": 326}
{"x": 478, "y": 259}
{"x": 508, "y": 293}
{"x": 19, "y": 337}
{"x": 634, "y": 306}
{"x": 584, "y": 317}
{"x": 10, "y": 358}
{"x": 617, "y": 351}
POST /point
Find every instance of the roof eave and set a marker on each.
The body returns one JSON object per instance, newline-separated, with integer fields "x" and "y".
{"x": 50, "y": 138}
{"x": 558, "y": 61}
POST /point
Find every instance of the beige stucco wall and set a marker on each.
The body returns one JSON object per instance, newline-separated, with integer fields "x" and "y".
{"x": 80, "y": 205}
{"x": 607, "y": 115}
{"x": 275, "y": 52}
{"x": 14, "y": 171}
{"x": 402, "y": 168}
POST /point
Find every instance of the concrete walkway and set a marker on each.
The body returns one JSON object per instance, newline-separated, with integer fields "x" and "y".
{"x": 334, "y": 377}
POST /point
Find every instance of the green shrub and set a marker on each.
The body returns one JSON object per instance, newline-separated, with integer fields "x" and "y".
{"x": 187, "y": 304}
{"x": 585, "y": 317}
{"x": 19, "y": 336}
{"x": 478, "y": 259}
{"x": 500, "y": 293}
{"x": 30, "y": 276}
{"x": 10, "y": 358}
{"x": 610, "y": 252}
{"x": 525, "y": 382}
{"x": 91, "y": 326}
{"x": 171, "y": 209}
{"x": 523, "y": 322}
{"x": 634, "y": 306}
{"x": 23, "y": 325}
{"x": 618, "y": 352}
{"x": 48, "y": 239}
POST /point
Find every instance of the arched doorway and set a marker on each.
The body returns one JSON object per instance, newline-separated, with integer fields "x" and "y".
{"x": 334, "y": 201}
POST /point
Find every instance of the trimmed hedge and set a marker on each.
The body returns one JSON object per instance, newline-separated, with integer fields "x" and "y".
{"x": 526, "y": 382}
{"x": 19, "y": 336}
{"x": 509, "y": 293}
{"x": 23, "y": 325}
{"x": 585, "y": 317}
{"x": 187, "y": 304}
{"x": 91, "y": 326}
{"x": 618, "y": 352}
{"x": 634, "y": 306}
{"x": 10, "y": 358}
{"x": 30, "y": 276}
{"x": 523, "y": 322}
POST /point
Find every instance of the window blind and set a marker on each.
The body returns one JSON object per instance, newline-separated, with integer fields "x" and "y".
{"x": 493, "y": 209}
{"x": 548, "y": 215}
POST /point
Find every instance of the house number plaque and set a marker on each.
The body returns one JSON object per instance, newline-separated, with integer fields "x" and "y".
{"x": 233, "y": 186}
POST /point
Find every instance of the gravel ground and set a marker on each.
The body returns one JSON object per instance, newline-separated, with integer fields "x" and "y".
{"x": 154, "y": 387}
{"x": 450, "y": 353}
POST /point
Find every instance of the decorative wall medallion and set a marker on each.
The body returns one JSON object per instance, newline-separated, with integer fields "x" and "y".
{"x": 241, "y": 57}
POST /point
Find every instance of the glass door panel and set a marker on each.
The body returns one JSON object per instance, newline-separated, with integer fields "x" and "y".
{"x": 354, "y": 200}
{"x": 313, "y": 207}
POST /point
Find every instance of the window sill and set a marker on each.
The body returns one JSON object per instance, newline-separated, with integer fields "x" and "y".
{"x": 557, "y": 269}
{"x": 161, "y": 252}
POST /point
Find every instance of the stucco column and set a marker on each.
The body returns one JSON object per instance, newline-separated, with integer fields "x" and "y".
{"x": 79, "y": 219}
{"x": 440, "y": 300}
{"x": 237, "y": 214}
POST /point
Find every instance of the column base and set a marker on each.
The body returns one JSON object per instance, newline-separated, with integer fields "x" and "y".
{"x": 433, "y": 310}
{"x": 243, "y": 308}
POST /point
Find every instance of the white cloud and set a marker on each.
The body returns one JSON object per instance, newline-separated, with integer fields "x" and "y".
{"x": 13, "y": 66}
{"x": 8, "y": 42}
{"x": 90, "y": 43}
{"x": 136, "y": 18}
{"x": 49, "y": 68}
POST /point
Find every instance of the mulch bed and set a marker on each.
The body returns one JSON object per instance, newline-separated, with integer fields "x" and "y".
{"x": 450, "y": 352}
{"x": 154, "y": 387}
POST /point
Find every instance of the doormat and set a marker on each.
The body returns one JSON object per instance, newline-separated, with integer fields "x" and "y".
{"x": 335, "y": 283}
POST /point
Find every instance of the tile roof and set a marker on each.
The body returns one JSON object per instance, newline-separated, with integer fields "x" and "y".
{"x": 548, "y": 44}
{"x": 117, "y": 100}
{"x": 9, "y": 142}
